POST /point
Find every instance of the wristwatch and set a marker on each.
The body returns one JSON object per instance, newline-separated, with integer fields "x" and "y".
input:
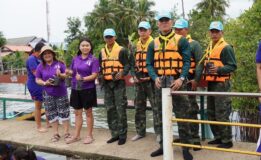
{"x": 182, "y": 78}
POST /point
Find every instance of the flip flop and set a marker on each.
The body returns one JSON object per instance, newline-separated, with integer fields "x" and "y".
{"x": 67, "y": 136}
{"x": 72, "y": 140}
{"x": 55, "y": 138}
{"x": 42, "y": 130}
{"x": 88, "y": 140}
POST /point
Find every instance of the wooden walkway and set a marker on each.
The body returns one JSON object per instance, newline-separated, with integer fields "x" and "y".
{"x": 24, "y": 133}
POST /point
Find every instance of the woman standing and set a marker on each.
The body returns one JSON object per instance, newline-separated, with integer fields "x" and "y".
{"x": 84, "y": 70}
{"x": 51, "y": 74}
{"x": 35, "y": 90}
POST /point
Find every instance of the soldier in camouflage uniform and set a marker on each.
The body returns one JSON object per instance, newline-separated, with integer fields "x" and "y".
{"x": 168, "y": 63}
{"x": 144, "y": 86}
{"x": 114, "y": 64}
{"x": 220, "y": 63}
{"x": 196, "y": 68}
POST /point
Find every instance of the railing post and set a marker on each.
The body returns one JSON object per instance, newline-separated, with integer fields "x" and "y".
{"x": 202, "y": 117}
{"x": 167, "y": 124}
{"x": 4, "y": 109}
{"x": 25, "y": 88}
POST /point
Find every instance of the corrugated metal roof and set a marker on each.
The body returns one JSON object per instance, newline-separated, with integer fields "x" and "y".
{"x": 20, "y": 41}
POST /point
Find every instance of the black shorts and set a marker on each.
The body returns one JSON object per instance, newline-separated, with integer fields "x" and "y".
{"x": 86, "y": 98}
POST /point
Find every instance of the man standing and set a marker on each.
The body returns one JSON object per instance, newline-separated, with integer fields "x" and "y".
{"x": 194, "y": 76}
{"x": 144, "y": 86}
{"x": 168, "y": 63}
{"x": 114, "y": 66}
{"x": 220, "y": 62}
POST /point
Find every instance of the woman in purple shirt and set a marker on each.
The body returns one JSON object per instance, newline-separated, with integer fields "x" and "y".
{"x": 51, "y": 74}
{"x": 84, "y": 71}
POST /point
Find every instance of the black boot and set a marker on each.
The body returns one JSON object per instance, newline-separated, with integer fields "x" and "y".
{"x": 122, "y": 141}
{"x": 156, "y": 153}
{"x": 216, "y": 141}
{"x": 186, "y": 154}
{"x": 226, "y": 145}
{"x": 197, "y": 149}
{"x": 113, "y": 139}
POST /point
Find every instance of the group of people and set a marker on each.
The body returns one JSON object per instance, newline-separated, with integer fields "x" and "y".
{"x": 171, "y": 60}
{"x": 46, "y": 83}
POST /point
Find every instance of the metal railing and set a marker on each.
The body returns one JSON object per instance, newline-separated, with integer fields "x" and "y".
{"x": 168, "y": 119}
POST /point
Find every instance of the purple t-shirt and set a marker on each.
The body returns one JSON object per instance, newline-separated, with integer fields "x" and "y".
{"x": 258, "y": 53}
{"x": 49, "y": 71}
{"x": 84, "y": 67}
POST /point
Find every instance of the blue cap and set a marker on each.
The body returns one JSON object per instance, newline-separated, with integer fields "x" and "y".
{"x": 109, "y": 32}
{"x": 163, "y": 14}
{"x": 216, "y": 25}
{"x": 144, "y": 24}
{"x": 181, "y": 23}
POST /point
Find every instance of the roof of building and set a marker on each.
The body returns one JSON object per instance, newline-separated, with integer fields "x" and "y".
{"x": 21, "y": 41}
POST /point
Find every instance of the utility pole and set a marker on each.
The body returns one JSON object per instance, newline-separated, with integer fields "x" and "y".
{"x": 183, "y": 11}
{"x": 47, "y": 21}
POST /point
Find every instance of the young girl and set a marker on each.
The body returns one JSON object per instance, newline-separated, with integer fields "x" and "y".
{"x": 84, "y": 70}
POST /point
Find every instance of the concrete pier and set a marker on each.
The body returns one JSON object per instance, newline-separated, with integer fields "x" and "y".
{"x": 24, "y": 133}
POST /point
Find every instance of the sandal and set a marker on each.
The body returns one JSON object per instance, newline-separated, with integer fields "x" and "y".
{"x": 55, "y": 138}
{"x": 88, "y": 140}
{"x": 67, "y": 136}
{"x": 72, "y": 140}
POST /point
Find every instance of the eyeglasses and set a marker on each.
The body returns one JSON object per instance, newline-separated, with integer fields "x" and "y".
{"x": 164, "y": 19}
{"x": 108, "y": 37}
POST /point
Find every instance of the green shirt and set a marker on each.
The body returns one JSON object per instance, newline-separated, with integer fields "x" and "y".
{"x": 183, "y": 49}
{"x": 123, "y": 58}
{"x": 196, "y": 54}
{"x": 227, "y": 57}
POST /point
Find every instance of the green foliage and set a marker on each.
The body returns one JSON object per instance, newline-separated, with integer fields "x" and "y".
{"x": 72, "y": 50}
{"x": 60, "y": 53}
{"x": 14, "y": 60}
{"x": 73, "y": 30}
{"x": 200, "y": 18}
{"x": 2, "y": 39}
{"x": 244, "y": 33}
{"x": 122, "y": 15}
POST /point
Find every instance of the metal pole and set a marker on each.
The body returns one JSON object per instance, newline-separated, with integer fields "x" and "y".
{"x": 25, "y": 88}
{"x": 4, "y": 109}
{"x": 167, "y": 124}
{"x": 232, "y": 94}
{"x": 202, "y": 117}
{"x": 183, "y": 11}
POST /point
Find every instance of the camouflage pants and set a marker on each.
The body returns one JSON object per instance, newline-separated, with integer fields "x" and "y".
{"x": 219, "y": 109}
{"x": 116, "y": 102}
{"x": 180, "y": 106}
{"x": 143, "y": 91}
{"x": 193, "y": 114}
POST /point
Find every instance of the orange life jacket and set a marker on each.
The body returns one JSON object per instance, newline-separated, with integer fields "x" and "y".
{"x": 214, "y": 56}
{"x": 110, "y": 62}
{"x": 167, "y": 61}
{"x": 141, "y": 54}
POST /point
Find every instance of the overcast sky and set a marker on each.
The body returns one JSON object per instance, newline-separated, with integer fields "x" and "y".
{"x": 19, "y": 18}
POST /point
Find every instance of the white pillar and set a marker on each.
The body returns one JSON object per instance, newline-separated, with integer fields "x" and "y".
{"x": 167, "y": 124}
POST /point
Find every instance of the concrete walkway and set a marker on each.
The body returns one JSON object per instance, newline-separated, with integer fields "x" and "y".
{"x": 24, "y": 133}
